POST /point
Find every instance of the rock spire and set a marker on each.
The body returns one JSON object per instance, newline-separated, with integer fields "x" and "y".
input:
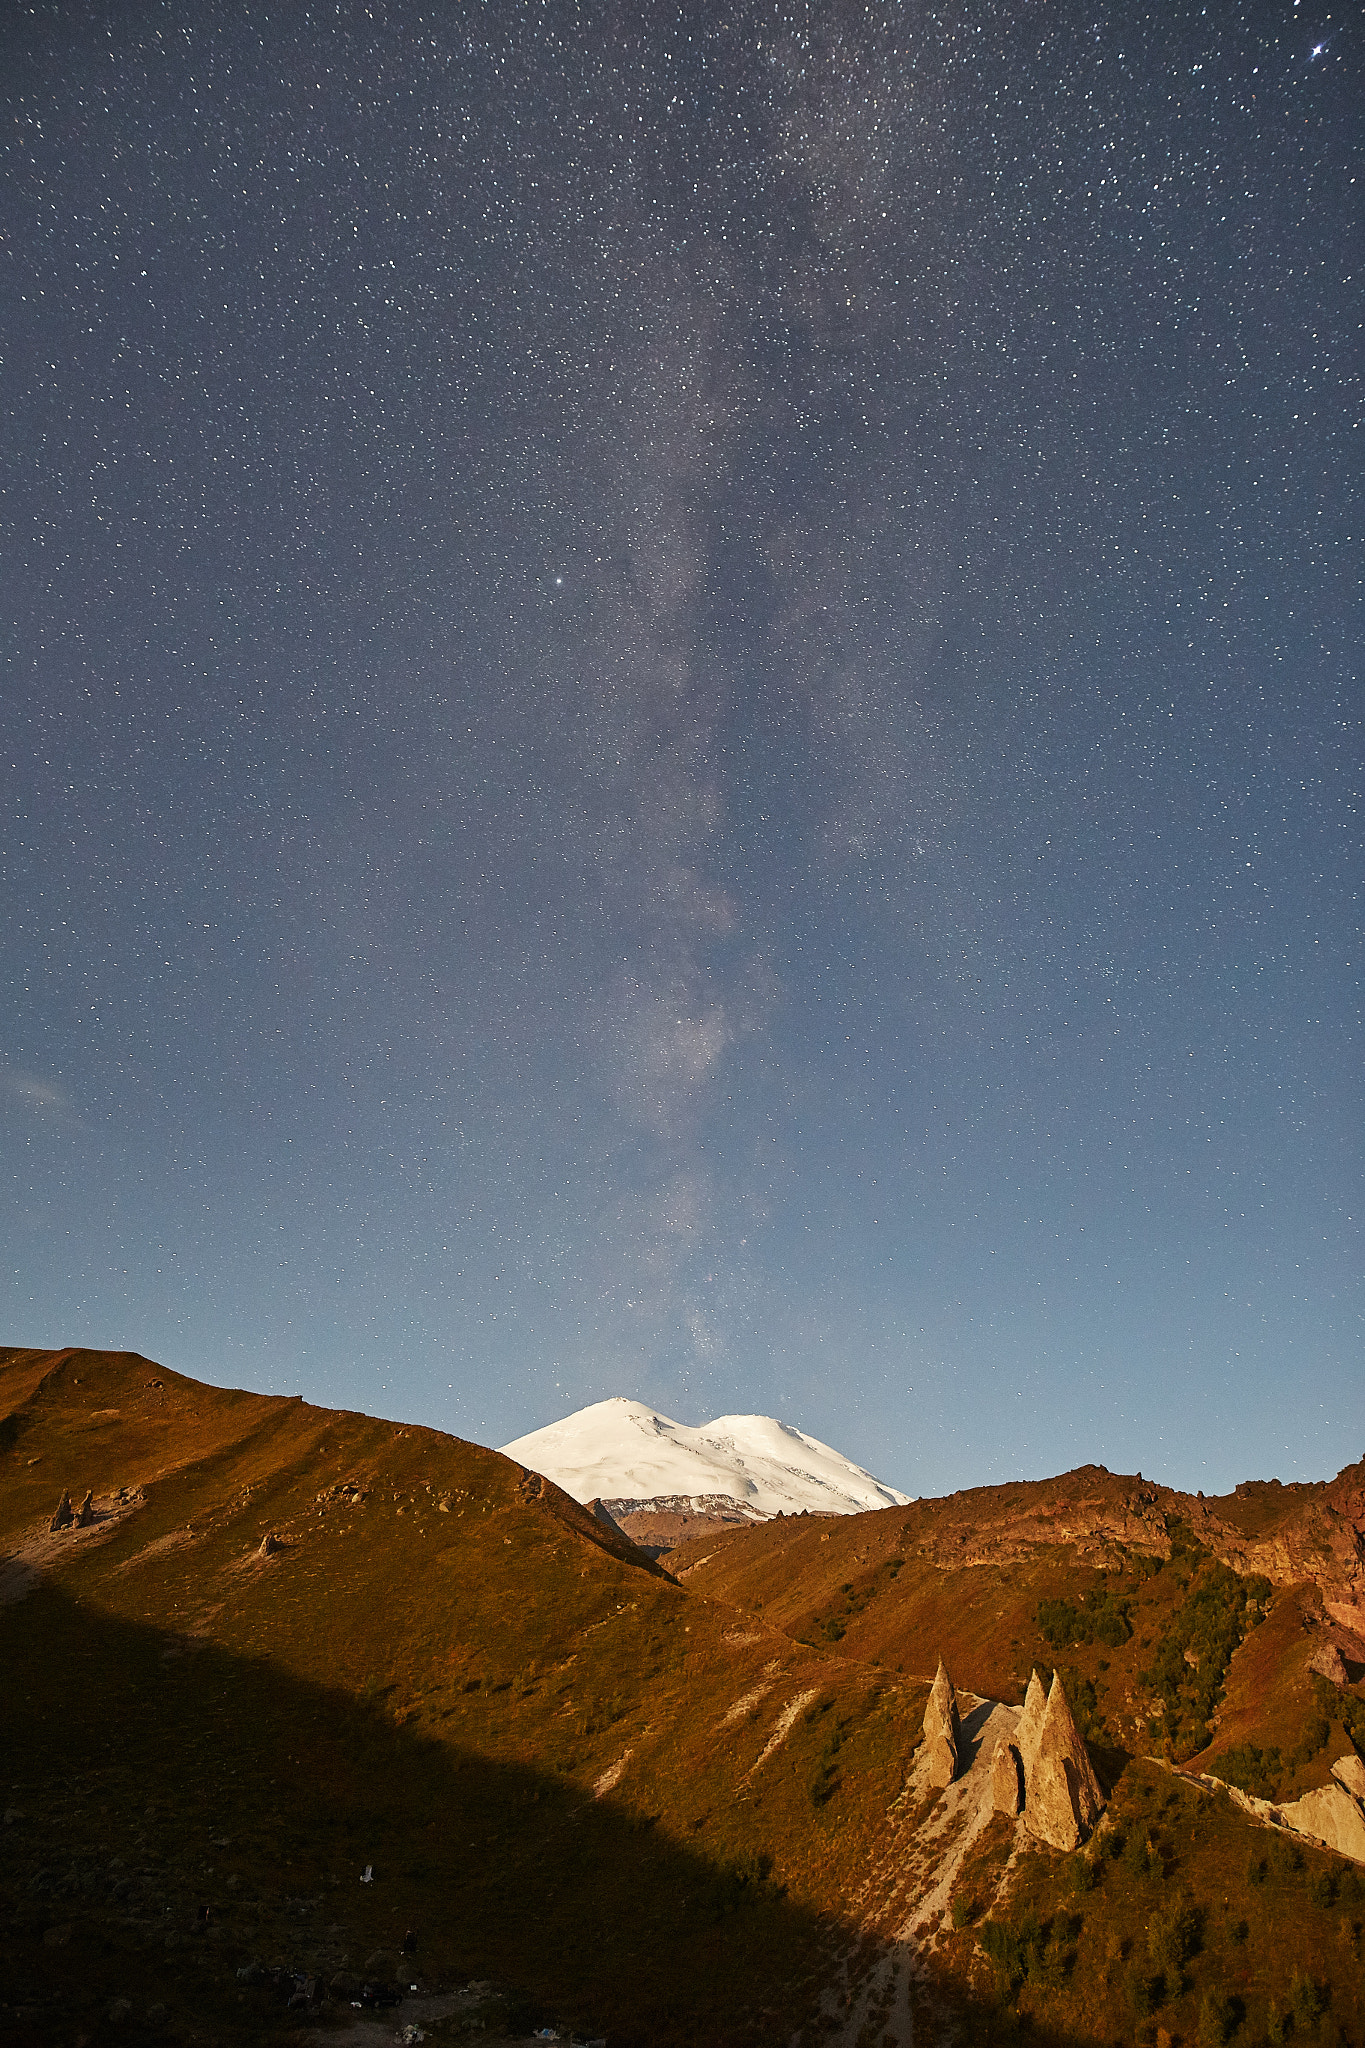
{"x": 1062, "y": 1794}
{"x": 942, "y": 1730}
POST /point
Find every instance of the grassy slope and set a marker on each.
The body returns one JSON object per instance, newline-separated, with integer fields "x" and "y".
{"x": 1269, "y": 1923}
{"x": 432, "y": 1692}
{"x": 434, "y": 1672}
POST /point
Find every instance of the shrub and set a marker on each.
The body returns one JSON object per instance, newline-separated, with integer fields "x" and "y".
{"x": 1146, "y": 1993}
{"x": 1217, "y": 2019}
{"x": 1099, "y": 1618}
{"x": 1005, "y": 1951}
{"x": 1308, "y": 1999}
{"x": 1316, "y": 1735}
{"x": 1252, "y": 1769}
{"x": 1174, "y": 1934}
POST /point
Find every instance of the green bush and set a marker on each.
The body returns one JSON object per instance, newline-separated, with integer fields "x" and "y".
{"x": 1174, "y": 1934}
{"x": 1146, "y": 1993}
{"x": 1308, "y": 1999}
{"x": 1251, "y": 1769}
{"x": 1099, "y": 1618}
{"x": 1005, "y": 1952}
{"x": 1217, "y": 2019}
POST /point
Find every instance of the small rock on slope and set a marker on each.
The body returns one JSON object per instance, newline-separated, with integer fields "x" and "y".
{"x": 64, "y": 1516}
{"x": 1326, "y": 1661}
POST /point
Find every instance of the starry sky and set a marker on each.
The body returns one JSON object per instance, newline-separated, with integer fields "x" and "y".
{"x": 683, "y": 716}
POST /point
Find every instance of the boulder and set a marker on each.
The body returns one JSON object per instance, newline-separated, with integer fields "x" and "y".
{"x": 1062, "y": 1797}
{"x": 942, "y": 1730}
{"x": 1326, "y": 1661}
{"x": 1350, "y": 1772}
{"x": 1030, "y": 1723}
{"x": 1331, "y": 1817}
{"x": 64, "y": 1516}
{"x": 1007, "y": 1779}
{"x": 269, "y": 1545}
{"x": 85, "y": 1513}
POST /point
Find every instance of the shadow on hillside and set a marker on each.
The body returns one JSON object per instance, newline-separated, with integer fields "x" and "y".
{"x": 177, "y": 1813}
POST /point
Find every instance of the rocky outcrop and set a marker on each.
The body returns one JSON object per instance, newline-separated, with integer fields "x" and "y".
{"x": 1312, "y": 1533}
{"x": 1326, "y": 1661}
{"x": 85, "y": 1513}
{"x": 942, "y": 1730}
{"x": 1062, "y": 1797}
{"x": 270, "y": 1545}
{"x": 1350, "y": 1772}
{"x": 1331, "y": 1817}
{"x": 1031, "y": 1723}
{"x": 1007, "y": 1779}
{"x": 64, "y": 1516}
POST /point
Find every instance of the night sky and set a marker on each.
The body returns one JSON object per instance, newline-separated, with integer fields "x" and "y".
{"x": 683, "y": 717}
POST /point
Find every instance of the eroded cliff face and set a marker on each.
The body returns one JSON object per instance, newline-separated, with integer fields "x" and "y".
{"x": 1312, "y": 1534}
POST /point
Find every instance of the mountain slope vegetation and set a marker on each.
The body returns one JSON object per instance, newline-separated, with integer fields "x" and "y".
{"x": 291, "y": 1645}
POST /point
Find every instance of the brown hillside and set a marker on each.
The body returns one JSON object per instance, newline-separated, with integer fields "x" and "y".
{"x": 661, "y": 1809}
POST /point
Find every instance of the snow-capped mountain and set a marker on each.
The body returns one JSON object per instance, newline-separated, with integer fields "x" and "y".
{"x": 621, "y": 1450}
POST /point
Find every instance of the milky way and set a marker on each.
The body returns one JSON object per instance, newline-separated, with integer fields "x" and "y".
{"x": 683, "y": 718}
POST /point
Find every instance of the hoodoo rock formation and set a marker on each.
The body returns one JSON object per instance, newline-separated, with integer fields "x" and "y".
{"x": 1007, "y": 1779}
{"x": 1062, "y": 1799}
{"x": 1045, "y": 1773}
{"x": 85, "y": 1513}
{"x": 942, "y": 1730}
{"x": 64, "y": 1516}
{"x": 1030, "y": 1726}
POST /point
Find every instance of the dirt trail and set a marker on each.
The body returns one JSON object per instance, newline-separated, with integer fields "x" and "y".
{"x": 924, "y": 1862}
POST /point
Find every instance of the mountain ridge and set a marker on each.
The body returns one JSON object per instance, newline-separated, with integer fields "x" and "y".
{"x": 295, "y": 1642}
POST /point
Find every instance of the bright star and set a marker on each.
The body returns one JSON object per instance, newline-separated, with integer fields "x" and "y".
{"x": 1316, "y": 50}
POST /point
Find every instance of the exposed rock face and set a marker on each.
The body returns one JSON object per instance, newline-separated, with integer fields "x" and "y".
{"x": 1331, "y": 1817}
{"x": 1062, "y": 1794}
{"x": 1007, "y": 1779}
{"x": 942, "y": 1730}
{"x": 64, "y": 1516}
{"x": 1031, "y": 1723}
{"x": 1326, "y": 1661}
{"x": 1350, "y": 1772}
{"x": 1291, "y": 1533}
{"x": 85, "y": 1513}
{"x": 269, "y": 1545}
